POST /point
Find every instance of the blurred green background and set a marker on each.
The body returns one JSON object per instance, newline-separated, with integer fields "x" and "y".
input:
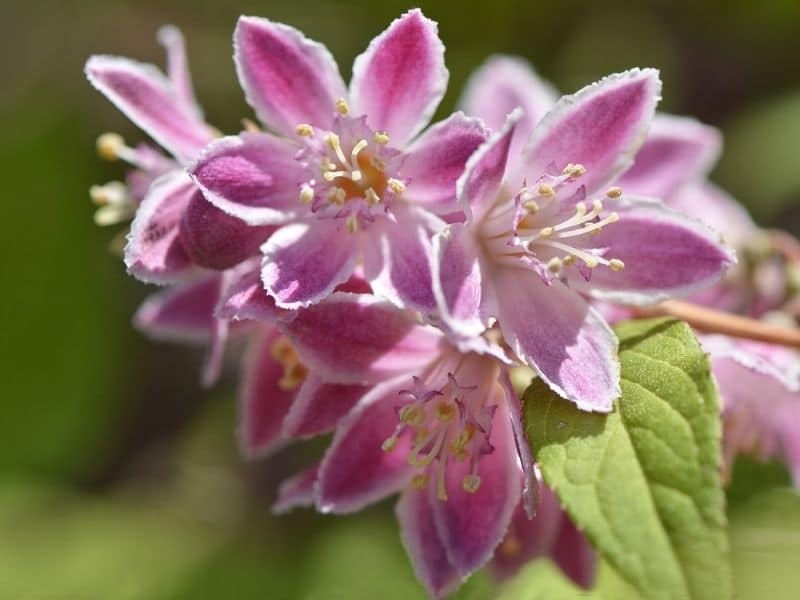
{"x": 119, "y": 476}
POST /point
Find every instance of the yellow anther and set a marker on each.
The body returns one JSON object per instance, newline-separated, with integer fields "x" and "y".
{"x": 331, "y": 175}
{"x": 294, "y": 372}
{"x": 531, "y": 206}
{"x": 371, "y": 196}
{"x": 420, "y": 481}
{"x": 341, "y": 106}
{"x": 614, "y": 192}
{"x": 397, "y": 186}
{"x": 471, "y": 483}
{"x": 337, "y": 196}
{"x": 597, "y": 206}
{"x": 546, "y": 190}
{"x": 355, "y": 175}
{"x": 554, "y": 265}
{"x": 306, "y": 194}
{"x": 389, "y": 444}
{"x": 445, "y": 412}
{"x": 411, "y": 414}
{"x": 546, "y": 232}
{"x": 250, "y": 126}
{"x": 109, "y": 146}
{"x": 616, "y": 264}
{"x": 574, "y": 170}
{"x": 568, "y": 260}
{"x": 591, "y": 262}
{"x": 304, "y": 130}
{"x": 352, "y": 223}
{"x": 360, "y": 145}
{"x": 580, "y": 209}
{"x": 381, "y": 137}
{"x": 612, "y": 218}
{"x": 511, "y": 546}
{"x": 293, "y": 376}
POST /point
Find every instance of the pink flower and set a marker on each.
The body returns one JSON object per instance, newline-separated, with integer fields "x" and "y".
{"x": 439, "y": 424}
{"x": 175, "y": 229}
{"x": 348, "y": 178}
{"x": 544, "y": 230}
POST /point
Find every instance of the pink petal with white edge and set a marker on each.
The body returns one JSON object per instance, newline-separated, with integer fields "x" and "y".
{"x": 400, "y": 79}
{"x": 418, "y": 533}
{"x": 478, "y": 187}
{"x": 246, "y": 298}
{"x": 252, "y": 176}
{"x": 171, "y": 38}
{"x": 403, "y": 273}
{"x": 502, "y": 84}
{"x": 287, "y": 78}
{"x": 183, "y": 313}
{"x": 296, "y": 492}
{"x": 356, "y": 338}
{"x": 216, "y": 240}
{"x": 458, "y": 282}
{"x": 600, "y": 127}
{"x": 212, "y": 366}
{"x": 320, "y": 406}
{"x": 154, "y": 252}
{"x": 471, "y": 525}
{"x": 678, "y": 150}
{"x": 555, "y": 331}
{"x": 436, "y": 160}
{"x": 304, "y": 262}
{"x": 356, "y": 471}
{"x": 531, "y": 490}
{"x": 146, "y": 97}
{"x": 714, "y": 207}
{"x": 665, "y": 255}
{"x": 263, "y": 402}
{"x": 575, "y": 555}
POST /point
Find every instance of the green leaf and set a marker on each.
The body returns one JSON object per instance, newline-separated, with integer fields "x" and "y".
{"x": 643, "y": 482}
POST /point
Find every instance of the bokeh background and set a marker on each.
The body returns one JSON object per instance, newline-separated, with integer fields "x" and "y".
{"x": 119, "y": 475}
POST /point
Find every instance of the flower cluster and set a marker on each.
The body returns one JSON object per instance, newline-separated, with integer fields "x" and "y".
{"x": 387, "y": 275}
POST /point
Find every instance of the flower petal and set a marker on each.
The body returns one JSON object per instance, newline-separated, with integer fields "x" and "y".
{"x": 180, "y": 78}
{"x": 297, "y": 491}
{"x": 471, "y": 525}
{"x": 154, "y": 252}
{"x": 478, "y": 186}
{"x": 575, "y": 555}
{"x": 678, "y": 150}
{"x": 458, "y": 282}
{"x": 252, "y": 176}
{"x": 216, "y": 240}
{"x": 183, "y": 313}
{"x": 665, "y": 255}
{"x": 320, "y": 406}
{"x": 714, "y": 207}
{"x": 400, "y": 79}
{"x": 418, "y": 532}
{"x": 436, "y": 160}
{"x": 147, "y": 98}
{"x": 557, "y": 333}
{"x": 356, "y": 338}
{"x": 263, "y": 402}
{"x": 600, "y": 127}
{"x": 356, "y": 471}
{"x": 287, "y": 78}
{"x": 403, "y": 273}
{"x": 246, "y": 298}
{"x": 303, "y": 263}
{"x": 502, "y": 84}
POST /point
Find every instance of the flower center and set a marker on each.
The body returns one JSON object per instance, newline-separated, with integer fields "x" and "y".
{"x": 450, "y": 423}
{"x": 350, "y": 169}
{"x": 294, "y": 371}
{"x": 548, "y": 237}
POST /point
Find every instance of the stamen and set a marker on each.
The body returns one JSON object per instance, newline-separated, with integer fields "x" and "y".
{"x": 341, "y": 107}
{"x": 554, "y": 265}
{"x": 331, "y": 175}
{"x": 381, "y": 137}
{"x": 531, "y": 206}
{"x": 110, "y": 146}
{"x": 471, "y": 483}
{"x": 333, "y": 142}
{"x": 420, "y": 481}
{"x": 352, "y": 223}
{"x": 304, "y": 130}
{"x": 397, "y": 186}
{"x": 614, "y": 192}
{"x": 306, "y": 194}
{"x": 360, "y": 145}
{"x": 574, "y": 170}
{"x": 372, "y": 196}
{"x": 294, "y": 372}
{"x": 546, "y": 190}
{"x": 616, "y": 264}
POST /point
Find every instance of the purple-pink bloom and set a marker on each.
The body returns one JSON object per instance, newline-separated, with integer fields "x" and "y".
{"x": 546, "y": 229}
{"x": 348, "y": 176}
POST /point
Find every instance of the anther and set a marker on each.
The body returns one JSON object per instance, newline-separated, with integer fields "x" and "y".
{"x": 341, "y": 107}
{"x": 109, "y": 146}
{"x": 306, "y": 194}
{"x": 546, "y": 190}
{"x": 471, "y": 483}
{"x": 397, "y": 186}
{"x": 250, "y": 126}
{"x": 352, "y": 223}
{"x": 614, "y": 192}
{"x": 574, "y": 170}
{"x": 546, "y": 231}
{"x": 371, "y": 196}
{"x": 616, "y": 264}
{"x": 531, "y": 206}
{"x": 360, "y": 145}
{"x": 420, "y": 481}
{"x": 554, "y": 265}
{"x": 304, "y": 130}
{"x": 389, "y": 444}
{"x": 381, "y": 137}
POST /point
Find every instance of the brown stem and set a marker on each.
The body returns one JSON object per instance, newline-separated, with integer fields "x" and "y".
{"x": 715, "y": 321}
